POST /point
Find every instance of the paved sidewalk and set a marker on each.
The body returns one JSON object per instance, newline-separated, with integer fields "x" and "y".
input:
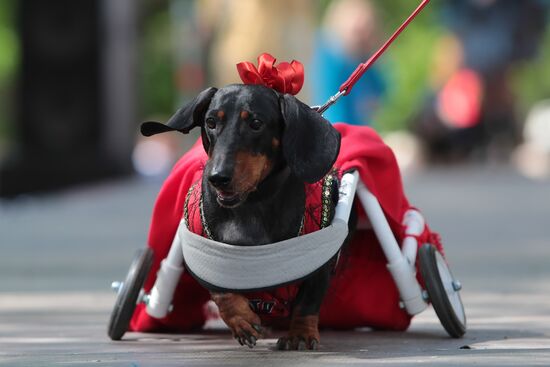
{"x": 70, "y": 330}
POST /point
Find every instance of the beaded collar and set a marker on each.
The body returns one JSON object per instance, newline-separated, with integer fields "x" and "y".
{"x": 326, "y": 206}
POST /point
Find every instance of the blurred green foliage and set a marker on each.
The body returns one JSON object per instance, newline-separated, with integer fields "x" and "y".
{"x": 9, "y": 57}
{"x": 531, "y": 79}
{"x": 156, "y": 80}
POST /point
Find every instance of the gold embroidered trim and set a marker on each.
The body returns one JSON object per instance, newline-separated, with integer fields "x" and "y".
{"x": 326, "y": 200}
{"x": 203, "y": 221}
{"x": 186, "y": 205}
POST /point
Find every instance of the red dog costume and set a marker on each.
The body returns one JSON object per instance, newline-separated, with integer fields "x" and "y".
{"x": 362, "y": 291}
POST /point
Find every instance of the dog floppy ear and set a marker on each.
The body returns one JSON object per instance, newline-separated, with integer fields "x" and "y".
{"x": 310, "y": 143}
{"x": 186, "y": 118}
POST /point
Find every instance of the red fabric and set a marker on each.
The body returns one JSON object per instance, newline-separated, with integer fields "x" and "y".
{"x": 362, "y": 292}
{"x": 284, "y": 78}
{"x": 459, "y": 102}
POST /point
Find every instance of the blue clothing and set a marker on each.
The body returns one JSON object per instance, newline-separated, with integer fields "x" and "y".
{"x": 331, "y": 68}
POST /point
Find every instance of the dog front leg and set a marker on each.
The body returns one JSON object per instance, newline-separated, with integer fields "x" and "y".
{"x": 304, "y": 325}
{"x": 239, "y": 317}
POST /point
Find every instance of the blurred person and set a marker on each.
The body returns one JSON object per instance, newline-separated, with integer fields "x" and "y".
{"x": 349, "y": 35}
{"x": 241, "y": 30}
{"x": 448, "y": 120}
{"x": 532, "y": 157}
{"x": 471, "y": 109}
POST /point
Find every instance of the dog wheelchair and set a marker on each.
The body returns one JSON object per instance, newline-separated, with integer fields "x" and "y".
{"x": 252, "y": 267}
{"x": 440, "y": 288}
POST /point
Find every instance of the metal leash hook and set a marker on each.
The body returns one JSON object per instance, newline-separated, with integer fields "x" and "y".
{"x": 346, "y": 87}
{"x": 332, "y": 100}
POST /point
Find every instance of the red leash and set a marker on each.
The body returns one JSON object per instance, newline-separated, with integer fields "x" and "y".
{"x": 345, "y": 88}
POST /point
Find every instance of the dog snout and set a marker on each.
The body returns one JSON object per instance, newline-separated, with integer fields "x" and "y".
{"x": 219, "y": 179}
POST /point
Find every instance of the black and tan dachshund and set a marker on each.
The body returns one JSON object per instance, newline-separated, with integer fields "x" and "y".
{"x": 262, "y": 146}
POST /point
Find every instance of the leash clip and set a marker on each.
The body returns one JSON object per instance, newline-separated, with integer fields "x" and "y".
{"x": 332, "y": 100}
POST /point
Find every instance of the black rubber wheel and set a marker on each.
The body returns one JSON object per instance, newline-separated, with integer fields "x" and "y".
{"x": 127, "y": 296}
{"x": 444, "y": 297}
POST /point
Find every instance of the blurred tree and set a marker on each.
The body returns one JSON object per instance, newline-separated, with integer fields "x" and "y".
{"x": 531, "y": 79}
{"x": 407, "y": 61}
{"x": 157, "y": 88}
{"x": 9, "y": 57}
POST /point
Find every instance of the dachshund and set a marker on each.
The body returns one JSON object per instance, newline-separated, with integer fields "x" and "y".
{"x": 262, "y": 147}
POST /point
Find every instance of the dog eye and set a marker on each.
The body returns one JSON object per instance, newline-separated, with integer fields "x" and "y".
{"x": 256, "y": 124}
{"x": 211, "y": 123}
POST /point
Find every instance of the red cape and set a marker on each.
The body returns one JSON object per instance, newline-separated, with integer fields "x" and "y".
{"x": 362, "y": 292}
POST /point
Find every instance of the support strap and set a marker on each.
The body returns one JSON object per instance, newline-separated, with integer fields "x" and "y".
{"x": 247, "y": 268}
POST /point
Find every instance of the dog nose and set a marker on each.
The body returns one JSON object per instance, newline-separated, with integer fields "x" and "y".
{"x": 219, "y": 180}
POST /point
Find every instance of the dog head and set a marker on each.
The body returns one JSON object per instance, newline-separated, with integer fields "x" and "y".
{"x": 248, "y": 131}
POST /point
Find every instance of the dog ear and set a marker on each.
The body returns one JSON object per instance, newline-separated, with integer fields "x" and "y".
{"x": 185, "y": 119}
{"x": 310, "y": 143}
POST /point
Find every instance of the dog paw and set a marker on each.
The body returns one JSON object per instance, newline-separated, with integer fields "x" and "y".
{"x": 235, "y": 311}
{"x": 303, "y": 334}
{"x": 297, "y": 343}
{"x": 244, "y": 336}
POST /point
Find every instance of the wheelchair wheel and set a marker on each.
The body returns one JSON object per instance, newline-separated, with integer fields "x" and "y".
{"x": 443, "y": 290}
{"x": 128, "y": 294}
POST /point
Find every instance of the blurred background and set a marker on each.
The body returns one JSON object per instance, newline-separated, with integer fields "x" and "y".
{"x": 463, "y": 97}
{"x": 467, "y": 82}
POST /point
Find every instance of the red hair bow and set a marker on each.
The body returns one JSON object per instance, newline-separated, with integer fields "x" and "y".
{"x": 284, "y": 78}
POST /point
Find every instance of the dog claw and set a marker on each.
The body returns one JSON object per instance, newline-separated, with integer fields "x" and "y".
{"x": 248, "y": 340}
{"x": 251, "y": 342}
{"x": 257, "y": 327}
{"x": 283, "y": 344}
{"x": 296, "y": 343}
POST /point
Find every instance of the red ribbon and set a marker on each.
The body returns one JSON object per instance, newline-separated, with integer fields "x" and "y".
{"x": 284, "y": 78}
